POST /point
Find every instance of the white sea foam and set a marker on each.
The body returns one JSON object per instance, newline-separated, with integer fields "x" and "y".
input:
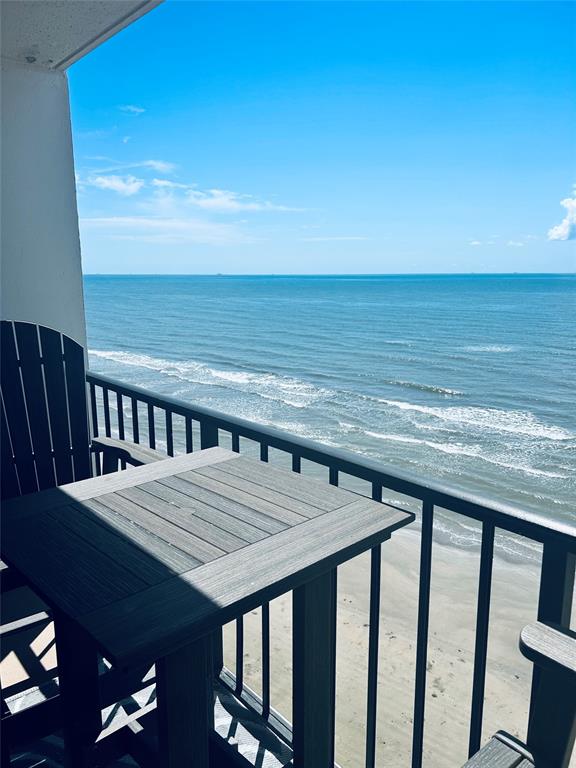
{"x": 426, "y": 387}
{"x": 454, "y": 448}
{"x": 290, "y": 391}
{"x": 473, "y": 451}
{"x": 515, "y": 422}
{"x": 489, "y": 348}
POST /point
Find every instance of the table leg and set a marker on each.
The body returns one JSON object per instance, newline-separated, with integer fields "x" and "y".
{"x": 79, "y": 690}
{"x": 314, "y": 667}
{"x": 185, "y": 705}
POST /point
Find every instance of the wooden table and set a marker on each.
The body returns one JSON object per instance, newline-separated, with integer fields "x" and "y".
{"x": 143, "y": 565}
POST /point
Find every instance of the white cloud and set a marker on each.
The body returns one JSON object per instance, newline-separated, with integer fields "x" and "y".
{"x": 168, "y": 184}
{"x": 165, "y": 230}
{"x": 566, "y": 230}
{"x": 160, "y": 166}
{"x": 332, "y": 239}
{"x": 126, "y": 139}
{"x": 123, "y": 185}
{"x": 211, "y": 200}
{"x": 496, "y": 240}
{"x": 132, "y": 109}
{"x": 222, "y": 200}
{"x": 157, "y": 165}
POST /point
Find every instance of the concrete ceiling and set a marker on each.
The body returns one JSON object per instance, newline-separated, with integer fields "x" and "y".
{"x": 56, "y": 33}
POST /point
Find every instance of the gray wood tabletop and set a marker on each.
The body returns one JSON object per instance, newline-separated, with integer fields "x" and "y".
{"x": 148, "y": 559}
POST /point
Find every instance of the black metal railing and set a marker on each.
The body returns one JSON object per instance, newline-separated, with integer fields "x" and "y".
{"x": 184, "y": 427}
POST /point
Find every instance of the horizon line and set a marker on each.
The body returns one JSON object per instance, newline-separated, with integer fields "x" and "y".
{"x": 329, "y": 274}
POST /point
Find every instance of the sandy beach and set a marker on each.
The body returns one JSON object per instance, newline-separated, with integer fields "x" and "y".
{"x": 450, "y": 656}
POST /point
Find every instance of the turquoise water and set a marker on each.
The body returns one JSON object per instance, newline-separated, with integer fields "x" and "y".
{"x": 467, "y": 380}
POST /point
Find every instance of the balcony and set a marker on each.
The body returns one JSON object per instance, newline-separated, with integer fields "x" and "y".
{"x": 381, "y": 652}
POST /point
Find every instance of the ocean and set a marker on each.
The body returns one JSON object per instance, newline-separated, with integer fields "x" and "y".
{"x": 466, "y": 380}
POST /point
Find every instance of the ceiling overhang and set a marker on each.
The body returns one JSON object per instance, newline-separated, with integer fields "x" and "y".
{"x": 55, "y": 34}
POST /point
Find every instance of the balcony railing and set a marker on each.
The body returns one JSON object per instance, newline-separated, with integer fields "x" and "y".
{"x": 171, "y": 425}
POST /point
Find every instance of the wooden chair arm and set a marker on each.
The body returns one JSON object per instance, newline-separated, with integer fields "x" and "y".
{"x": 9, "y": 579}
{"x": 124, "y": 450}
{"x": 550, "y": 647}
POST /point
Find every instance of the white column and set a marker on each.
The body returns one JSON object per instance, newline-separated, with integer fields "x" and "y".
{"x": 41, "y": 273}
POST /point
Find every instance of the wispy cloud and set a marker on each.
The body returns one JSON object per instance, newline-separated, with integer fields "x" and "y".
{"x": 335, "y": 239}
{"x": 213, "y": 200}
{"x": 165, "y": 230}
{"x": 168, "y": 184}
{"x": 222, "y": 200}
{"x": 168, "y": 211}
{"x": 123, "y": 185}
{"x": 518, "y": 242}
{"x": 160, "y": 166}
{"x": 132, "y": 109}
{"x": 566, "y": 230}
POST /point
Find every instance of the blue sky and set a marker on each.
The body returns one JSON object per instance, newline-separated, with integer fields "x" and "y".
{"x": 330, "y": 137}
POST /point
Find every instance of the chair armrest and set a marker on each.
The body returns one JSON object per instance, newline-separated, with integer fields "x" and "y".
{"x": 10, "y": 579}
{"x": 502, "y": 751}
{"x": 124, "y": 450}
{"x": 550, "y": 647}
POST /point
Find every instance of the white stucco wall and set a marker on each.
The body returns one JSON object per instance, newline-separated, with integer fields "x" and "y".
{"x": 40, "y": 267}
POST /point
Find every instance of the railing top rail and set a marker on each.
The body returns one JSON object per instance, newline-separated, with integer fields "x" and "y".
{"x": 505, "y": 516}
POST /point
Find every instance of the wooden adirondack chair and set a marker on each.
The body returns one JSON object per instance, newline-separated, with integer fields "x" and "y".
{"x": 45, "y": 442}
{"x": 552, "y": 725}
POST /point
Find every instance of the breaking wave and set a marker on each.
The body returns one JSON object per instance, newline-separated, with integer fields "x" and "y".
{"x": 474, "y": 452}
{"x": 293, "y": 392}
{"x": 425, "y": 387}
{"x": 515, "y": 422}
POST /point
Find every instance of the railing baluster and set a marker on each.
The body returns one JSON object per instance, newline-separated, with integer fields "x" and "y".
{"x": 189, "y": 444}
{"x": 235, "y": 442}
{"x": 333, "y": 643}
{"x": 169, "y": 433}
{"x": 481, "y": 645}
{"x": 422, "y": 636}
{"x": 151, "y": 426}
{"x": 208, "y": 434}
{"x": 265, "y": 659}
{"x": 556, "y": 593}
{"x": 98, "y": 462}
{"x": 135, "y": 427}
{"x": 239, "y": 653}
{"x": 373, "y": 643}
{"x": 106, "y": 404}
{"x": 94, "y": 409}
{"x": 296, "y": 463}
{"x": 556, "y": 585}
{"x": 120, "y": 408}
{"x": 333, "y": 476}
{"x": 263, "y": 451}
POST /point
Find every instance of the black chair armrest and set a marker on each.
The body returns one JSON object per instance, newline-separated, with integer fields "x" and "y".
{"x": 9, "y": 578}
{"x": 124, "y": 450}
{"x": 550, "y": 647}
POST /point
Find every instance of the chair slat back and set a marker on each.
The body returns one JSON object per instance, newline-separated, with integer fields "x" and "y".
{"x": 45, "y": 431}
